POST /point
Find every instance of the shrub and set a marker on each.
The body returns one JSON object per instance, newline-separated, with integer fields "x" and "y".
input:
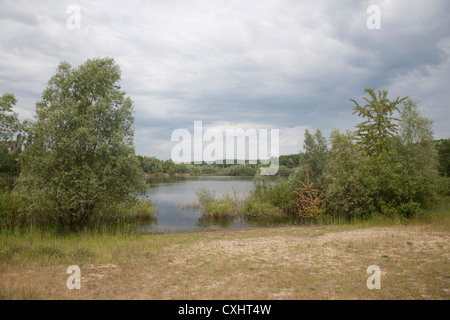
{"x": 12, "y": 211}
{"x": 144, "y": 210}
{"x": 308, "y": 203}
{"x": 224, "y": 206}
{"x": 262, "y": 209}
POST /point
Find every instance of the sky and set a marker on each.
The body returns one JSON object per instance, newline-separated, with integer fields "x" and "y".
{"x": 285, "y": 65}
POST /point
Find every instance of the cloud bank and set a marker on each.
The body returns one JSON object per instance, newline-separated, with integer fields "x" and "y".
{"x": 288, "y": 65}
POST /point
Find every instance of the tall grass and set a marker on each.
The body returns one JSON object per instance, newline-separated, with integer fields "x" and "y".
{"x": 15, "y": 215}
{"x": 219, "y": 207}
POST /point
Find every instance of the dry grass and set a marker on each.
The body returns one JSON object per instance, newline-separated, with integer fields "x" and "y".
{"x": 190, "y": 206}
{"x": 280, "y": 263}
{"x": 308, "y": 262}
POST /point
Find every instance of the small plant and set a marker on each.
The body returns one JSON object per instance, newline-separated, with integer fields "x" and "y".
{"x": 308, "y": 203}
{"x": 224, "y": 206}
{"x": 144, "y": 210}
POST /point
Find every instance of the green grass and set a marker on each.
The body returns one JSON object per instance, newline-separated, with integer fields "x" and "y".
{"x": 294, "y": 262}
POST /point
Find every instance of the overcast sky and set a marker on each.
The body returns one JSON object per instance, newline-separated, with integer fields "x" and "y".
{"x": 286, "y": 65}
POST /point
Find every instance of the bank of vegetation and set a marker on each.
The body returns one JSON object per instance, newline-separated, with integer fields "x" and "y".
{"x": 76, "y": 166}
{"x": 154, "y": 167}
{"x": 389, "y": 166}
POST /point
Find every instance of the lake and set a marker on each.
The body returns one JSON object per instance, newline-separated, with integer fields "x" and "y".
{"x": 172, "y": 194}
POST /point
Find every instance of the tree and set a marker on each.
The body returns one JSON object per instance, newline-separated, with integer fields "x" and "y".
{"x": 417, "y": 153}
{"x": 79, "y": 158}
{"x": 315, "y": 156}
{"x": 9, "y": 126}
{"x": 413, "y": 127}
{"x": 348, "y": 185}
{"x": 151, "y": 165}
{"x": 443, "y": 149}
{"x": 375, "y": 133}
{"x": 9, "y": 121}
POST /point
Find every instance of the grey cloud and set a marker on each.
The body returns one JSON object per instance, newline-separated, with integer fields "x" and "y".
{"x": 287, "y": 63}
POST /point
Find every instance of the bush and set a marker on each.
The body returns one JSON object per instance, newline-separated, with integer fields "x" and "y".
{"x": 444, "y": 186}
{"x": 308, "y": 203}
{"x": 262, "y": 209}
{"x": 284, "y": 171}
{"x": 144, "y": 210}
{"x": 240, "y": 170}
{"x": 12, "y": 211}
{"x": 270, "y": 198}
{"x": 224, "y": 206}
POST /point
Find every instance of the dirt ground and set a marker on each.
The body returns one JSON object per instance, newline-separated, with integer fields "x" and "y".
{"x": 276, "y": 263}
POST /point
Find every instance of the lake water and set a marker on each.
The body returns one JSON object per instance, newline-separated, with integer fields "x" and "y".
{"x": 172, "y": 194}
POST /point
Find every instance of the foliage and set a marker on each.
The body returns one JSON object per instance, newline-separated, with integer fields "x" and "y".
{"x": 11, "y": 210}
{"x": 9, "y": 121}
{"x": 414, "y": 128}
{"x": 9, "y": 126}
{"x": 270, "y": 197}
{"x": 401, "y": 182}
{"x": 348, "y": 184}
{"x": 443, "y": 150}
{"x": 79, "y": 160}
{"x": 284, "y": 171}
{"x": 375, "y": 133}
{"x": 144, "y": 210}
{"x": 224, "y": 206}
{"x": 240, "y": 170}
{"x": 150, "y": 165}
{"x": 290, "y": 161}
{"x": 314, "y": 157}
{"x": 9, "y": 164}
{"x": 262, "y": 209}
{"x": 308, "y": 203}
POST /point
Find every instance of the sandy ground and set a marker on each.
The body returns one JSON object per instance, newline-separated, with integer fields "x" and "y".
{"x": 279, "y": 263}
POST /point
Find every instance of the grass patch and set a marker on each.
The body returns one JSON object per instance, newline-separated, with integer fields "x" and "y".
{"x": 224, "y": 206}
{"x": 296, "y": 262}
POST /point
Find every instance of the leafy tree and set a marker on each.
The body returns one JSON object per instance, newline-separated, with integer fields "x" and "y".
{"x": 9, "y": 126}
{"x": 417, "y": 153}
{"x": 151, "y": 165}
{"x": 375, "y": 133}
{"x": 443, "y": 150}
{"x": 348, "y": 186}
{"x": 314, "y": 157}
{"x": 79, "y": 160}
{"x": 168, "y": 166}
{"x": 399, "y": 183}
{"x": 9, "y": 121}
{"x": 9, "y": 164}
{"x": 413, "y": 127}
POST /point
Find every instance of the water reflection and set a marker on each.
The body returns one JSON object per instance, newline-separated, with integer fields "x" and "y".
{"x": 176, "y": 198}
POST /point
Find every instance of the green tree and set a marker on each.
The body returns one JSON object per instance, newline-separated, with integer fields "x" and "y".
{"x": 168, "y": 166}
{"x": 79, "y": 160}
{"x": 418, "y": 155}
{"x": 443, "y": 149}
{"x": 374, "y": 134}
{"x": 414, "y": 128}
{"x": 348, "y": 186}
{"x": 9, "y": 127}
{"x": 9, "y": 121}
{"x": 314, "y": 157}
{"x": 151, "y": 165}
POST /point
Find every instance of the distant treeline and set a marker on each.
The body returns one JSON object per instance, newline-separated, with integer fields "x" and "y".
{"x": 10, "y": 166}
{"x": 155, "y": 167}
{"x": 287, "y": 163}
